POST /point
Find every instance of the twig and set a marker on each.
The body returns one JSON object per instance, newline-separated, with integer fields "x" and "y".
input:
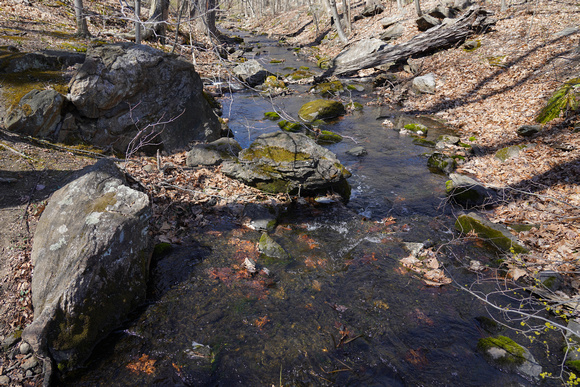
{"x": 17, "y": 152}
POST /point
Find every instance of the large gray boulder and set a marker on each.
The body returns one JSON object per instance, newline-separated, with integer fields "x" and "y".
{"x": 123, "y": 88}
{"x": 37, "y": 114}
{"x": 213, "y": 153}
{"x": 289, "y": 162}
{"x": 358, "y": 50}
{"x": 251, "y": 72}
{"x": 91, "y": 258}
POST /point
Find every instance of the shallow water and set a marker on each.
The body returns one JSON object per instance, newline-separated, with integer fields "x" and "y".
{"x": 339, "y": 311}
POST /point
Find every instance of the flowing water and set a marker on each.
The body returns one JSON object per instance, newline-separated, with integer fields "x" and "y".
{"x": 340, "y": 310}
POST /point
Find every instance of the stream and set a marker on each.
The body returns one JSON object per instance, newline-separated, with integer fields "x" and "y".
{"x": 341, "y": 310}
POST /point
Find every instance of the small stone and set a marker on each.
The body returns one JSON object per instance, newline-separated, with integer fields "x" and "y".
{"x": 528, "y": 130}
{"x": 24, "y": 348}
{"x": 30, "y": 363}
{"x": 149, "y": 168}
{"x": 29, "y": 374}
{"x": 250, "y": 265}
{"x": 11, "y": 339}
{"x": 4, "y": 380}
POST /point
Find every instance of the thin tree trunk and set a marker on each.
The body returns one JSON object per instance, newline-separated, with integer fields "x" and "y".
{"x": 503, "y": 6}
{"x": 137, "y": 21}
{"x": 334, "y": 12}
{"x": 418, "y": 8}
{"x": 347, "y": 15}
{"x": 82, "y": 28}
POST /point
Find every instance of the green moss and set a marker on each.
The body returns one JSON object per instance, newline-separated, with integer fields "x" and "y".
{"x": 467, "y": 223}
{"x": 464, "y": 145}
{"x": 509, "y": 152}
{"x": 304, "y": 68}
{"x": 300, "y": 74}
{"x": 496, "y": 60}
{"x": 323, "y": 63}
{"x": 515, "y": 352}
{"x": 449, "y": 186}
{"x": 81, "y": 47}
{"x": 566, "y": 98}
{"x": 272, "y": 116}
{"x": 471, "y": 45}
{"x": 321, "y": 109}
{"x": 272, "y": 82}
{"x": 424, "y": 142}
{"x": 277, "y": 154}
{"x": 354, "y": 106}
{"x": 417, "y": 129}
{"x": 472, "y": 138}
{"x": 327, "y": 137}
{"x": 574, "y": 364}
{"x": 17, "y": 85}
{"x": 290, "y": 126}
{"x": 101, "y": 203}
{"x": 327, "y": 89}
{"x": 276, "y": 61}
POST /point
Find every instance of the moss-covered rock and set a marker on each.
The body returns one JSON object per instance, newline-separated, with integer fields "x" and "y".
{"x": 354, "y": 106}
{"x": 495, "y": 234}
{"x": 289, "y": 126}
{"x": 272, "y": 116}
{"x": 327, "y": 137}
{"x": 299, "y": 74}
{"x": 417, "y": 129}
{"x": 423, "y": 142}
{"x": 271, "y": 249}
{"x": 328, "y": 89}
{"x": 503, "y": 350}
{"x": 511, "y": 151}
{"x": 321, "y": 109}
{"x": 272, "y": 82}
{"x": 440, "y": 162}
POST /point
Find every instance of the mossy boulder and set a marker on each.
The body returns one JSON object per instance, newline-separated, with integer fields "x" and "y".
{"x": 509, "y": 355}
{"x": 440, "y": 162}
{"x": 512, "y": 151}
{"x": 321, "y": 109}
{"x": 328, "y": 89}
{"x": 290, "y": 126}
{"x": 289, "y": 163}
{"x": 495, "y": 234}
{"x": 91, "y": 258}
{"x": 272, "y": 116}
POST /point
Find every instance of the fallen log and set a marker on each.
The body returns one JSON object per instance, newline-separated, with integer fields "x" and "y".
{"x": 452, "y": 31}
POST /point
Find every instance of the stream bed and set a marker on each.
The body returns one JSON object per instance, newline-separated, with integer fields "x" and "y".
{"x": 340, "y": 310}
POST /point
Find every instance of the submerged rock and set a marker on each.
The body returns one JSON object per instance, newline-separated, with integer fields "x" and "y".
{"x": 507, "y": 354}
{"x": 357, "y": 151}
{"x": 270, "y": 248}
{"x": 91, "y": 257}
{"x": 321, "y": 109}
{"x": 493, "y": 233}
{"x": 289, "y": 162}
{"x": 441, "y": 162}
{"x": 261, "y": 217}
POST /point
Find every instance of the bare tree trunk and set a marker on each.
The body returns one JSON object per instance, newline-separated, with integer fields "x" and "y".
{"x": 137, "y": 21}
{"x": 503, "y": 6}
{"x": 400, "y": 5}
{"x": 347, "y": 16}
{"x": 204, "y": 11}
{"x": 334, "y": 12}
{"x": 82, "y": 28}
{"x": 156, "y": 25}
{"x": 418, "y": 8}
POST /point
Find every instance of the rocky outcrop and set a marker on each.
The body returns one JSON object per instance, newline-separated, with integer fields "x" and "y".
{"x": 123, "y": 88}
{"x": 289, "y": 162}
{"x": 91, "y": 257}
{"x": 37, "y": 114}
{"x": 251, "y": 72}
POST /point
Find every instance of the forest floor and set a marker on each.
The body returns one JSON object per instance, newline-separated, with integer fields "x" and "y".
{"x": 484, "y": 95}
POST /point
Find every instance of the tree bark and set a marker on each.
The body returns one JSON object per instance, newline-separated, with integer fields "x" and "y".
{"x": 82, "y": 28}
{"x": 155, "y": 26}
{"x": 137, "y": 21}
{"x": 475, "y": 20}
{"x": 418, "y": 8}
{"x": 334, "y": 12}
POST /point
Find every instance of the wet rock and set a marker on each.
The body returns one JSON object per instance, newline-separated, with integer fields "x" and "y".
{"x": 424, "y": 84}
{"x": 289, "y": 162}
{"x": 441, "y": 162}
{"x": 357, "y": 151}
{"x": 321, "y": 109}
{"x": 393, "y": 32}
{"x": 251, "y": 72}
{"x": 495, "y": 234}
{"x": 261, "y": 217}
{"x": 270, "y": 248}
{"x": 426, "y": 22}
{"x": 37, "y": 114}
{"x": 290, "y": 126}
{"x": 30, "y": 363}
{"x": 507, "y": 354}
{"x": 448, "y": 140}
{"x": 213, "y": 153}
{"x": 528, "y": 130}
{"x": 468, "y": 192}
{"x": 327, "y": 137}
{"x": 512, "y": 151}
{"x": 359, "y": 50}
{"x": 327, "y": 89}
{"x": 415, "y": 129}
{"x": 122, "y": 87}
{"x": 91, "y": 257}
